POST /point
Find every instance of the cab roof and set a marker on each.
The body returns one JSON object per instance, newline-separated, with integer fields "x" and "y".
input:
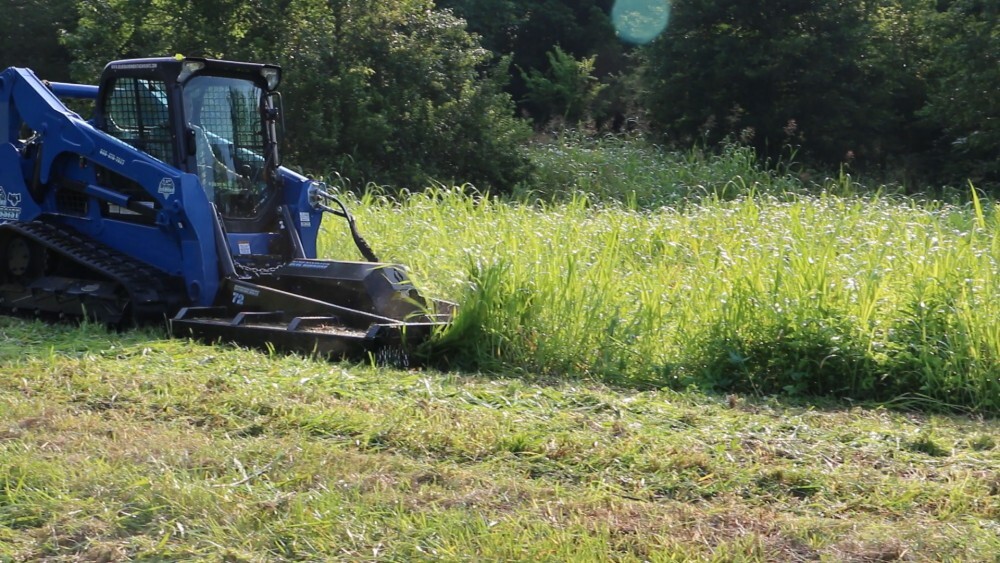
{"x": 173, "y": 67}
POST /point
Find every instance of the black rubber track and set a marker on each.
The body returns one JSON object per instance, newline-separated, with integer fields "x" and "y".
{"x": 144, "y": 293}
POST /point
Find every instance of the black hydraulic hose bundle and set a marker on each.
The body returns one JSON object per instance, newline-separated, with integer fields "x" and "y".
{"x": 361, "y": 243}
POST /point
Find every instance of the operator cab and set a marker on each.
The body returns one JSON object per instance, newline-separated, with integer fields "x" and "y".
{"x": 216, "y": 119}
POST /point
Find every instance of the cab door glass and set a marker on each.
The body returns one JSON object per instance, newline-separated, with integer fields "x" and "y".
{"x": 137, "y": 112}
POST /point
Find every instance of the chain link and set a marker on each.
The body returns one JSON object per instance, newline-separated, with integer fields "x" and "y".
{"x": 258, "y": 272}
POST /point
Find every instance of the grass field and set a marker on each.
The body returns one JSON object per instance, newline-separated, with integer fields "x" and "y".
{"x": 132, "y": 446}
{"x": 723, "y": 364}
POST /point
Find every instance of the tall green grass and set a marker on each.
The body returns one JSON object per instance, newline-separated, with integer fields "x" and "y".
{"x": 646, "y": 175}
{"x": 866, "y": 297}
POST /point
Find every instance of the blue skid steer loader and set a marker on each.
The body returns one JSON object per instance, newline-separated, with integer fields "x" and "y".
{"x": 171, "y": 203}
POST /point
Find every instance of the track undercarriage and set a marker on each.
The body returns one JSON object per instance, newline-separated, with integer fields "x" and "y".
{"x": 52, "y": 271}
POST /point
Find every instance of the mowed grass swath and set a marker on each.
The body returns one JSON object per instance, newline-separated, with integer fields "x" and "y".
{"x": 131, "y": 446}
{"x": 866, "y": 297}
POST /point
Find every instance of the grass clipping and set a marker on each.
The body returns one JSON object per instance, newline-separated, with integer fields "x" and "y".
{"x": 119, "y": 447}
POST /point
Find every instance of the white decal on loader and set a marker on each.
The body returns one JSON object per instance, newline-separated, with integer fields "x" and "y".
{"x": 166, "y": 187}
{"x": 252, "y": 292}
{"x": 112, "y": 157}
{"x": 10, "y": 205}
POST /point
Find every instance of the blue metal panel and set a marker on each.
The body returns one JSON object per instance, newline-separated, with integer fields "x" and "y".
{"x": 242, "y": 244}
{"x": 306, "y": 217}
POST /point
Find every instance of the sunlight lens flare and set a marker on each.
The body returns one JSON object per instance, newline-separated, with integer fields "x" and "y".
{"x": 640, "y": 21}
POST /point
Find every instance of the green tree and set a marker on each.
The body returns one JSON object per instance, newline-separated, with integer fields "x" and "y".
{"x": 114, "y": 29}
{"x": 895, "y": 62}
{"x": 529, "y": 31}
{"x": 965, "y": 82}
{"x": 772, "y": 71}
{"x": 569, "y": 88}
{"x": 30, "y": 36}
{"x": 398, "y": 92}
{"x": 386, "y": 91}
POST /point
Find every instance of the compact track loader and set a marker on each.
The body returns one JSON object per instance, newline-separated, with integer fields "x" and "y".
{"x": 171, "y": 203}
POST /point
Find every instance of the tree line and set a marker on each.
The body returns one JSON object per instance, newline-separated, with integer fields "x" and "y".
{"x": 404, "y": 92}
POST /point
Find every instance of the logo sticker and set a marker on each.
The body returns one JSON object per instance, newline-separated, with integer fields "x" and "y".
{"x": 166, "y": 187}
{"x": 10, "y": 205}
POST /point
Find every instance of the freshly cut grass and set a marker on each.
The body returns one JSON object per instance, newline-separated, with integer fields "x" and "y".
{"x": 866, "y": 297}
{"x": 119, "y": 447}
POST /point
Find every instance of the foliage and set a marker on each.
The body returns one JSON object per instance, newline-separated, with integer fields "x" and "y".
{"x": 531, "y": 30}
{"x": 388, "y": 92}
{"x": 743, "y": 281}
{"x": 568, "y": 89}
{"x": 898, "y": 85}
{"x": 30, "y": 36}
{"x": 644, "y": 175}
{"x": 965, "y": 72}
{"x": 403, "y": 93}
{"x": 408, "y": 105}
{"x": 773, "y": 72}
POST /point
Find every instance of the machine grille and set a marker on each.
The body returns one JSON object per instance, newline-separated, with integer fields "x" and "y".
{"x": 138, "y": 114}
